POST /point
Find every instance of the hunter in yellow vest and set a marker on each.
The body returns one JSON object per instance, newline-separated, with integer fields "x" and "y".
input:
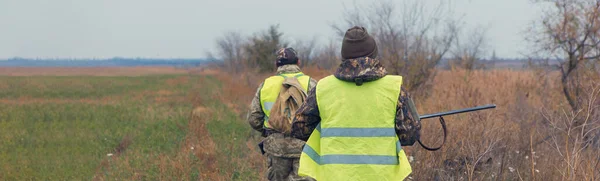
{"x": 355, "y": 121}
{"x": 282, "y": 151}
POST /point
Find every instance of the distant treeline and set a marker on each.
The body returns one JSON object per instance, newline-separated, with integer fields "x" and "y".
{"x": 112, "y": 62}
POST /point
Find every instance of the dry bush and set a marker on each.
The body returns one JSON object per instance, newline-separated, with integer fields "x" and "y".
{"x": 469, "y": 50}
{"x": 572, "y": 148}
{"x": 513, "y": 141}
{"x": 316, "y": 73}
{"x": 477, "y": 141}
{"x": 327, "y": 57}
{"x": 569, "y": 32}
{"x": 260, "y": 49}
{"x": 257, "y": 52}
{"x": 231, "y": 51}
{"x": 412, "y": 38}
{"x": 500, "y": 143}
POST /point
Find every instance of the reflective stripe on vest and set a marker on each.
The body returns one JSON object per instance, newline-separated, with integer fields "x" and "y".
{"x": 356, "y": 139}
{"x": 352, "y": 159}
{"x": 270, "y": 91}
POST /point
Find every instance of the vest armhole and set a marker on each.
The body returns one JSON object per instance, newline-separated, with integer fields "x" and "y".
{"x": 260, "y": 98}
{"x": 308, "y": 85}
{"x": 317, "y": 92}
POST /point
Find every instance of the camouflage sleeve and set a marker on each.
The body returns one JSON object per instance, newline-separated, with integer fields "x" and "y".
{"x": 407, "y": 127}
{"x": 312, "y": 84}
{"x": 307, "y": 117}
{"x": 256, "y": 115}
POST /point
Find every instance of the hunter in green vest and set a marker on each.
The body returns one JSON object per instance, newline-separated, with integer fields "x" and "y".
{"x": 282, "y": 151}
{"x": 355, "y": 122}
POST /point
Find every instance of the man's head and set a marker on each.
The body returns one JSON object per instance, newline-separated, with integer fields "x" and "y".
{"x": 358, "y": 43}
{"x": 286, "y": 56}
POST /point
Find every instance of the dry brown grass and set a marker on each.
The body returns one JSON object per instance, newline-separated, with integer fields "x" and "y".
{"x": 201, "y": 144}
{"x": 510, "y": 142}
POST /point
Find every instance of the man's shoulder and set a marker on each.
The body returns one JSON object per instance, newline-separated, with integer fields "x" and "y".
{"x": 273, "y": 78}
{"x": 326, "y": 78}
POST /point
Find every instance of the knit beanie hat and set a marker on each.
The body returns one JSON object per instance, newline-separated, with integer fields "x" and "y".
{"x": 358, "y": 43}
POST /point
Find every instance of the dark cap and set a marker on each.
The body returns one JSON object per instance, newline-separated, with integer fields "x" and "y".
{"x": 286, "y": 56}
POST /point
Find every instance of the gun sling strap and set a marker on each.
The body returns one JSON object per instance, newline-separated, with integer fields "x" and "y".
{"x": 443, "y": 122}
{"x": 413, "y": 109}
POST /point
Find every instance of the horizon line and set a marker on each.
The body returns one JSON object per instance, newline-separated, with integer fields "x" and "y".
{"x": 103, "y": 58}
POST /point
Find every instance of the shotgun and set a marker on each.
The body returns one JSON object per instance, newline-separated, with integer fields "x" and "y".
{"x": 440, "y": 115}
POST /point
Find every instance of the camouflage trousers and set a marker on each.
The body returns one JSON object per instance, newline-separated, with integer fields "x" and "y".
{"x": 280, "y": 168}
{"x": 283, "y": 157}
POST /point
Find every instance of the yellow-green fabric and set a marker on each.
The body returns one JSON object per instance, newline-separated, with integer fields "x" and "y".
{"x": 270, "y": 91}
{"x": 356, "y": 138}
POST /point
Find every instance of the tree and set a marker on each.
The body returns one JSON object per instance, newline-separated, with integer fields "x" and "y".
{"x": 569, "y": 31}
{"x": 327, "y": 56}
{"x": 230, "y": 49}
{"x": 468, "y": 54}
{"x": 494, "y": 57}
{"x": 411, "y": 41}
{"x": 261, "y": 49}
{"x": 306, "y": 50}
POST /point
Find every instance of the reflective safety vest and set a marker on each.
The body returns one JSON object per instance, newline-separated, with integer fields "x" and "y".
{"x": 270, "y": 91}
{"x": 356, "y": 139}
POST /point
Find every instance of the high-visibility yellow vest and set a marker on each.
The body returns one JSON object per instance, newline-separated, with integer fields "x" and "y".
{"x": 270, "y": 91}
{"x": 356, "y": 139}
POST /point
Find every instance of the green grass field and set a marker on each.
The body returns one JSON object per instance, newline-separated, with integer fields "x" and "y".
{"x": 121, "y": 128}
{"x": 64, "y": 128}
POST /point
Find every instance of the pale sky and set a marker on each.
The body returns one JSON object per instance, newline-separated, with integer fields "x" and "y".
{"x": 188, "y": 28}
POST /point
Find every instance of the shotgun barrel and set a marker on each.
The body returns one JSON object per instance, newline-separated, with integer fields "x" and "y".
{"x": 488, "y": 106}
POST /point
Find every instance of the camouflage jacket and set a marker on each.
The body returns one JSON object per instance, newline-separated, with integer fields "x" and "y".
{"x": 256, "y": 115}
{"x": 365, "y": 69}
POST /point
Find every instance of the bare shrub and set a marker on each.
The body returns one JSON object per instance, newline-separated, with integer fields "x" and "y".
{"x": 307, "y": 49}
{"x": 412, "y": 39}
{"x": 260, "y": 50}
{"x": 469, "y": 50}
{"x": 574, "y": 145}
{"x": 230, "y": 49}
{"x": 569, "y": 32}
{"x": 327, "y": 56}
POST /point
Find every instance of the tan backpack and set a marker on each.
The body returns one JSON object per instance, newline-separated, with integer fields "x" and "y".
{"x": 291, "y": 97}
